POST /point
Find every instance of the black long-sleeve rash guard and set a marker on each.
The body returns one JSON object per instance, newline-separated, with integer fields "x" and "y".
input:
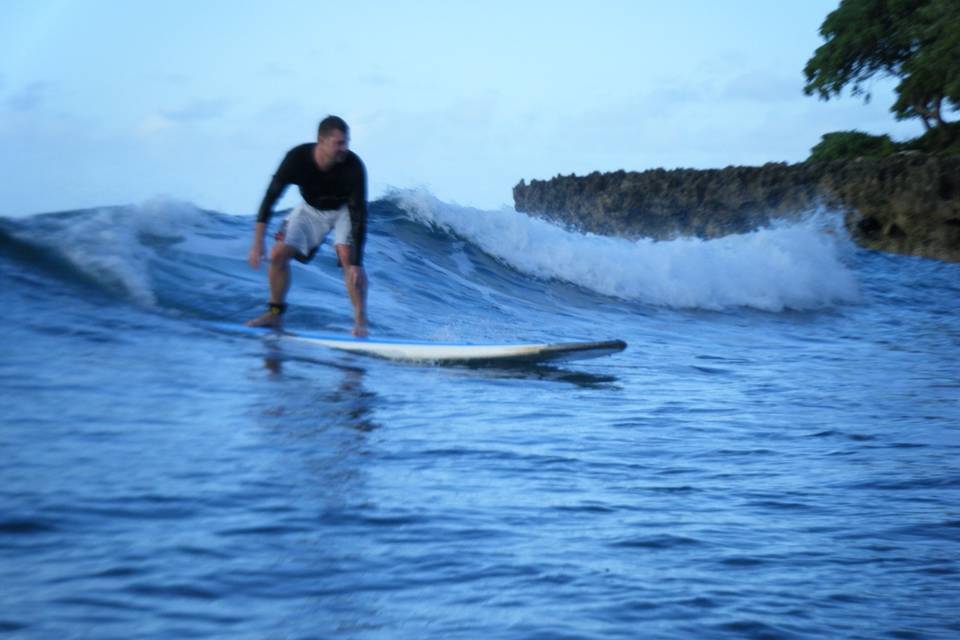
{"x": 343, "y": 183}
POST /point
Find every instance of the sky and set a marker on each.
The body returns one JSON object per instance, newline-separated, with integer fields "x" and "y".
{"x": 106, "y": 102}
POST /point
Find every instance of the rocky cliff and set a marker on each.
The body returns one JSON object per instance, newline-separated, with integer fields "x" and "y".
{"x": 907, "y": 203}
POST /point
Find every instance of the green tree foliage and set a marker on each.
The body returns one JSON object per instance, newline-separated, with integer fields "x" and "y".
{"x": 844, "y": 145}
{"x": 917, "y": 41}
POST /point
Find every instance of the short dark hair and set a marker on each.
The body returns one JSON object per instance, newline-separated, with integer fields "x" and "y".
{"x": 330, "y": 124}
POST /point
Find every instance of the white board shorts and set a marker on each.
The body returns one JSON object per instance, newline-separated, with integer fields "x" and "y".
{"x": 306, "y": 228}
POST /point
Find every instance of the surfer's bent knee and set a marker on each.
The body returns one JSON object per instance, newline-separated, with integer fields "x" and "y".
{"x": 280, "y": 255}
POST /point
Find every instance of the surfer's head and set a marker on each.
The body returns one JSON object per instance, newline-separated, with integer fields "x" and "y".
{"x": 333, "y": 140}
{"x": 330, "y": 124}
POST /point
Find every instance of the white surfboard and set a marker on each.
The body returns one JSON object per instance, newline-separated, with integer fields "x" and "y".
{"x": 439, "y": 352}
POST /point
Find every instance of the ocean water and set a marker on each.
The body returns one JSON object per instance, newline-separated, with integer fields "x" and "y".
{"x": 775, "y": 455}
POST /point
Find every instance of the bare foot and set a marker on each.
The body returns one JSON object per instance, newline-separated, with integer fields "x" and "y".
{"x": 269, "y": 319}
{"x": 360, "y": 331}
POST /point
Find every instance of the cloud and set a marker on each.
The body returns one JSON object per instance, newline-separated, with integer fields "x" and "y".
{"x": 177, "y": 80}
{"x": 197, "y": 111}
{"x": 155, "y": 123}
{"x": 376, "y": 79}
{"x": 274, "y": 70}
{"x": 763, "y": 86}
{"x": 29, "y": 98}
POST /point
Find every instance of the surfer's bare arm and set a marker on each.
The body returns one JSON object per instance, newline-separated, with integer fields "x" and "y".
{"x": 256, "y": 249}
{"x": 358, "y": 278}
{"x": 276, "y": 188}
{"x": 354, "y": 273}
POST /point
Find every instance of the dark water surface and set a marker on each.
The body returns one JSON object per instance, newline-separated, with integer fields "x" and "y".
{"x": 774, "y": 456}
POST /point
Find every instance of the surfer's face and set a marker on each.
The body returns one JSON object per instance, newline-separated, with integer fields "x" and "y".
{"x": 332, "y": 148}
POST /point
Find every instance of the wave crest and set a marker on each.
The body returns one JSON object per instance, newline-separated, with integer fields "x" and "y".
{"x": 791, "y": 265}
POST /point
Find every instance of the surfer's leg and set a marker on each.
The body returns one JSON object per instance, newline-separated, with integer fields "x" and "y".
{"x": 278, "y": 275}
{"x": 355, "y": 280}
{"x": 299, "y": 237}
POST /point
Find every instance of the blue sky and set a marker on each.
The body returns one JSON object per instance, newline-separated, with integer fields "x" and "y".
{"x": 112, "y": 102}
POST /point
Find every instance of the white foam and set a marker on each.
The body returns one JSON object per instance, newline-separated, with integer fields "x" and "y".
{"x": 795, "y": 265}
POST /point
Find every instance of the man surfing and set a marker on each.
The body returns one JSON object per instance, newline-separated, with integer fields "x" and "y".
{"x": 333, "y": 182}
